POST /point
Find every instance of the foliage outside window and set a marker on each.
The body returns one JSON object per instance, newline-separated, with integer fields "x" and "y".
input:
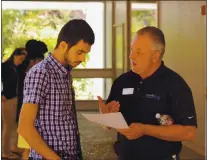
{"x": 145, "y": 14}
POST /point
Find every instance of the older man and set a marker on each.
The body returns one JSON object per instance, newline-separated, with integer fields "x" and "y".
{"x": 151, "y": 88}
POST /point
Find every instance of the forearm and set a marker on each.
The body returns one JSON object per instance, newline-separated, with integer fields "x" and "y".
{"x": 36, "y": 142}
{"x": 170, "y": 133}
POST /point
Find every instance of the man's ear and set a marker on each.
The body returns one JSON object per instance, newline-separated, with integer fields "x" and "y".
{"x": 63, "y": 46}
{"x": 156, "y": 56}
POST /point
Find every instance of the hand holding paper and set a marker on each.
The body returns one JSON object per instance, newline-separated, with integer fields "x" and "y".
{"x": 113, "y": 120}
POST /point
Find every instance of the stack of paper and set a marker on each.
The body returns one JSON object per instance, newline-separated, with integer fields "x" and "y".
{"x": 113, "y": 120}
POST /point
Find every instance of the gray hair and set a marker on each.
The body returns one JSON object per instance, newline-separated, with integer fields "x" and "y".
{"x": 157, "y": 36}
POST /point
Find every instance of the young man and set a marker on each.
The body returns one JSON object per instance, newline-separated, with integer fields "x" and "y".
{"x": 48, "y": 120}
{"x": 151, "y": 88}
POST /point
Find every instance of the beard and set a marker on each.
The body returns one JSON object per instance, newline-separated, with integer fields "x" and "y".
{"x": 68, "y": 61}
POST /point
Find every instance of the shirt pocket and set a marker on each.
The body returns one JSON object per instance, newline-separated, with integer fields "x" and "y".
{"x": 154, "y": 104}
{"x": 127, "y": 101}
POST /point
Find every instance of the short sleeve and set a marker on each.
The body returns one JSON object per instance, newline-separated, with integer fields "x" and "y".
{"x": 35, "y": 86}
{"x": 182, "y": 105}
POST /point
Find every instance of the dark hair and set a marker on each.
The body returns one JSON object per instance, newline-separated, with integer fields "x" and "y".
{"x": 35, "y": 49}
{"x": 17, "y": 52}
{"x": 157, "y": 36}
{"x": 74, "y": 31}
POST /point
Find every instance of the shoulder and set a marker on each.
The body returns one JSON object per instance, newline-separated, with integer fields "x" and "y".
{"x": 174, "y": 79}
{"x": 6, "y": 68}
{"x": 5, "y": 64}
{"x": 40, "y": 70}
{"x": 125, "y": 77}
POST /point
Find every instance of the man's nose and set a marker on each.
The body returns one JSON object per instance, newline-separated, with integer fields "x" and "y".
{"x": 83, "y": 58}
{"x": 131, "y": 56}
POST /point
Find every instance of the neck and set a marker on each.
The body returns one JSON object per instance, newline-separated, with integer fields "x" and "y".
{"x": 151, "y": 71}
{"x": 29, "y": 66}
{"x": 12, "y": 62}
{"x": 58, "y": 56}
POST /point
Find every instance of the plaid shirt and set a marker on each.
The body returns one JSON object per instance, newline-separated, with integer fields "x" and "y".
{"x": 49, "y": 84}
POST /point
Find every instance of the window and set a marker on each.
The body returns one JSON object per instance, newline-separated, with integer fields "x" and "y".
{"x": 43, "y": 20}
{"x": 24, "y": 20}
{"x": 143, "y": 14}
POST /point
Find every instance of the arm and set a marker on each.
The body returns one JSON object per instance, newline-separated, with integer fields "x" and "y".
{"x": 171, "y": 133}
{"x": 27, "y": 130}
{"x": 35, "y": 91}
{"x": 3, "y": 98}
{"x": 168, "y": 133}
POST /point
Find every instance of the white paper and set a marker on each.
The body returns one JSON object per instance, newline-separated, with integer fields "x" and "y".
{"x": 113, "y": 120}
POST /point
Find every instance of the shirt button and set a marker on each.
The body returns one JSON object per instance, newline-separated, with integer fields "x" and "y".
{"x": 141, "y": 82}
{"x": 138, "y": 89}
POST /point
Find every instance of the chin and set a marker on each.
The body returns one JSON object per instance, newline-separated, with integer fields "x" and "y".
{"x": 135, "y": 71}
{"x": 77, "y": 64}
{"x": 74, "y": 65}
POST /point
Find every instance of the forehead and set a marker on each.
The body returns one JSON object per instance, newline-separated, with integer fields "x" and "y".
{"x": 21, "y": 55}
{"x": 81, "y": 45}
{"x": 142, "y": 41}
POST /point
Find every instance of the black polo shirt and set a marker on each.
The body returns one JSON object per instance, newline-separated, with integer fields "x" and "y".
{"x": 164, "y": 92}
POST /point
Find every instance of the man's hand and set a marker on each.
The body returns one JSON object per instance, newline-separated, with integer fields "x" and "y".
{"x": 31, "y": 135}
{"x": 55, "y": 157}
{"x": 134, "y": 131}
{"x": 112, "y": 106}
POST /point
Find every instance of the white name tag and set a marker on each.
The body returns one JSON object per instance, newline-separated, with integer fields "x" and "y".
{"x": 127, "y": 91}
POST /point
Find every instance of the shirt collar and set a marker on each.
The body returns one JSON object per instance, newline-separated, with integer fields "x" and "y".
{"x": 58, "y": 67}
{"x": 161, "y": 70}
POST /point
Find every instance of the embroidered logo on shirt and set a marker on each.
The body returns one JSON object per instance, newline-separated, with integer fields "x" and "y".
{"x": 190, "y": 117}
{"x": 152, "y": 96}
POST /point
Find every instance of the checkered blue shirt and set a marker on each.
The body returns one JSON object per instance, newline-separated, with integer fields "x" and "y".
{"x": 49, "y": 84}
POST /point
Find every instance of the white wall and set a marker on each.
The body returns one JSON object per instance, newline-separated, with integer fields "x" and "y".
{"x": 185, "y": 32}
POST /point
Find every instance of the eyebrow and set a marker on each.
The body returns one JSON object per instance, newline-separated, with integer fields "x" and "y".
{"x": 80, "y": 50}
{"x": 136, "y": 49}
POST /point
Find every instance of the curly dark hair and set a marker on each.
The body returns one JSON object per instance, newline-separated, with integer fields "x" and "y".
{"x": 35, "y": 49}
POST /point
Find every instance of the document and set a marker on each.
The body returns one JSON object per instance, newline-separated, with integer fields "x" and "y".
{"x": 113, "y": 120}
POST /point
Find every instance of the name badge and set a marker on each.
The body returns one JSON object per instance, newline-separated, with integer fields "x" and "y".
{"x": 127, "y": 91}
